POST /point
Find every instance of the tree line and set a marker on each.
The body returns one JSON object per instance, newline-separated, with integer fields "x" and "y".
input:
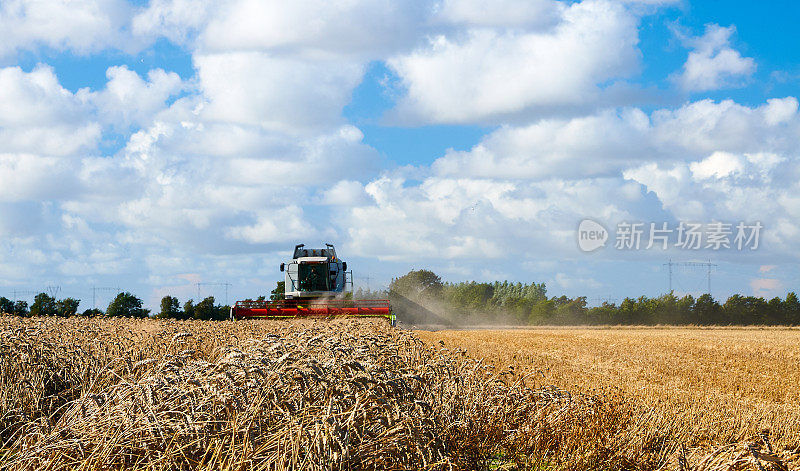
{"x": 123, "y": 305}
{"x": 43, "y": 305}
{"x": 204, "y": 310}
{"x": 528, "y": 304}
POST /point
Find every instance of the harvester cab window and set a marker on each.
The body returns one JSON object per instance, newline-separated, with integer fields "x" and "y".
{"x": 313, "y": 276}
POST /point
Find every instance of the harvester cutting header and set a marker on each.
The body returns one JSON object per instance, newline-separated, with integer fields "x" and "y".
{"x": 315, "y": 284}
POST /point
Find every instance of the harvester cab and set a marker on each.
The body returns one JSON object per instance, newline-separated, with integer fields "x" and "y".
{"x": 314, "y": 273}
{"x": 315, "y": 285}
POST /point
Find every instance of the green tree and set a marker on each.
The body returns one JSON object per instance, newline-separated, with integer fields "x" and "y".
{"x": 67, "y": 307}
{"x": 742, "y": 310}
{"x": 542, "y": 312}
{"x": 791, "y": 308}
{"x": 44, "y": 305}
{"x": 21, "y": 308}
{"x": 627, "y": 312}
{"x": 170, "y": 308}
{"x": 775, "y": 313}
{"x": 685, "y": 309}
{"x": 188, "y": 309}
{"x": 278, "y": 293}
{"x": 571, "y": 311}
{"x": 505, "y": 292}
{"x": 707, "y": 311}
{"x": 417, "y": 284}
{"x": 6, "y": 305}
{"x": 471, "y": 296}
{"x": 205, "y": 309}
{"x": 734, "y": 309}
{"x": 126, "y": 305}
{"x": 603, "y": 314}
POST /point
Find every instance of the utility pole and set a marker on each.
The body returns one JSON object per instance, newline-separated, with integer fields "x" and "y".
{"x": 53, "y": 291}
{"x": 600, "y": 300}
{"x": 669, "y": 264}
{"x": 707, "y": 265}
{"x": 225, "y": 284}
{"x": 367, "y": 278}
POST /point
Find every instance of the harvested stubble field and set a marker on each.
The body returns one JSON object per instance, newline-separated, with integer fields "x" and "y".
{"x": 709, "y": 393}
{"x": 345, "y": 394}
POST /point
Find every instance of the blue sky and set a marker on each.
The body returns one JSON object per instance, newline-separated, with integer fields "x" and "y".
{"x": 158, "y": 144}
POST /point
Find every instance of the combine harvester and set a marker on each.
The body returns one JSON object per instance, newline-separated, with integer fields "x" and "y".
{"x": 314, "y": 287}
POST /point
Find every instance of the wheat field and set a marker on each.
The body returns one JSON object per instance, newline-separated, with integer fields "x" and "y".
{"x": 82, "y": 393}
{"x": 708, "y": 389}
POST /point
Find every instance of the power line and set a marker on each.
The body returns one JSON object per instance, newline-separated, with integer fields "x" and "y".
{"x": 367, "y": 278}
{"x": 600, "y": 300}
{"x": 23, "y": 292}
{"x": 706, "y": 265}
{"x": 225, "y": 284}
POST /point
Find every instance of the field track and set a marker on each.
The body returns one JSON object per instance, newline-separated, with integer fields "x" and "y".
{"x": 344, "y": 394}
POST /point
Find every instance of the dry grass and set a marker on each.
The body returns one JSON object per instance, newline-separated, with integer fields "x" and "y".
{"x": 707, "y": 389}
{"x": 145, "y": 394}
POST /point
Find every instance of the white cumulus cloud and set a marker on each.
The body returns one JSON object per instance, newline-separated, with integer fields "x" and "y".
{"x": 485, "y": 73}
{"x": 37, "y": 115}
{"x": 713, "y": 63}
{"x": 717, "y": 165}
{"x": 81, "y": 26}
{"x": 279, "y": 93}
{"x": 508, "y": 13}
{"x": 177, "y": 20}
{"x": 129, "y": 100}
{"x": 44, "y": 129}
{"x": 358, "y": 28}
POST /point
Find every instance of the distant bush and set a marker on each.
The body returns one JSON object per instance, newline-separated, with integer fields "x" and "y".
{"x": 93, "y": 312}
